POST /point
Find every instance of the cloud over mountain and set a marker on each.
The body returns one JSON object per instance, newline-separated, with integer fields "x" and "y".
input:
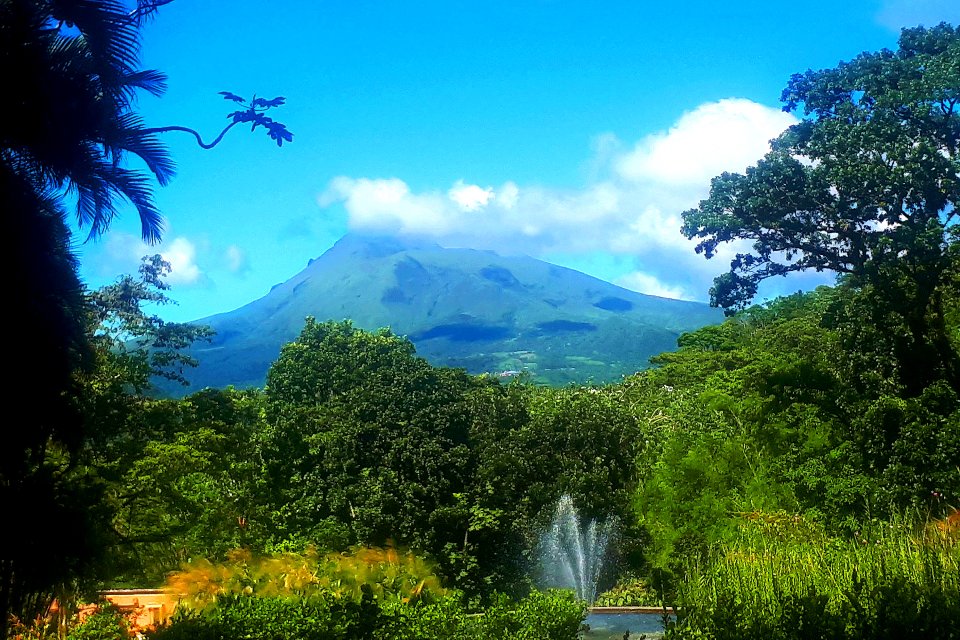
{"x": 630, "y": 207}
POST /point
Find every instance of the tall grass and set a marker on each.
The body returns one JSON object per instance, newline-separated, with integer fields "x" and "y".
{"x": 777, "y": 582}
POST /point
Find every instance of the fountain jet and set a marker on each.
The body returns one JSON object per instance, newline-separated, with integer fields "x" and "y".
{"x": 570, "y": 555}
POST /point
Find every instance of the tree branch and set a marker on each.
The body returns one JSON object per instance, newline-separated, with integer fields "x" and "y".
{"x": 146, "y": 9}
{"x": 195, "y": 133}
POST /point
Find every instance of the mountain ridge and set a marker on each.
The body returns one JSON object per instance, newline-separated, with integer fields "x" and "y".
{"x": 460, "y": 307}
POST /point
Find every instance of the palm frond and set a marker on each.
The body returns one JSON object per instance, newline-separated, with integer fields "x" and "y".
{"x": 113, "y": 42}
{"x": 147, "y": 147}
{"x": 95, "y": 208}
{"x": 149, "y": 80}
{"x": 137, "y": 189}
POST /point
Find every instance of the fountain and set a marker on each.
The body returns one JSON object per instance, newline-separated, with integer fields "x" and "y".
{"x": 570, "y": 555}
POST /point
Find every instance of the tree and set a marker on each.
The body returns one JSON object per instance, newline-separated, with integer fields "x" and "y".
{"x": 177, "y": 475}
{"x": 68, "y": 133}
{"x": 866, "y": 185}
{"x": 68, "y": 130}
{"x": 72, "y": 124}
{"x": 757, "y": 415}
{"x": 143, "y": 344}
{"x": 183, "y": 481}
{"x": 366, "y": 434}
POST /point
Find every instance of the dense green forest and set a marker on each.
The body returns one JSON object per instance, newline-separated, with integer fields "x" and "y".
{"x": 766, "y": 431}
{"x": 355, "y": 440}
{"x": 793, "y": 472}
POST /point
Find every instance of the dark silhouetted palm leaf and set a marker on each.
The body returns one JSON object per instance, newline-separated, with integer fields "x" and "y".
{"x": 72, "y": 127}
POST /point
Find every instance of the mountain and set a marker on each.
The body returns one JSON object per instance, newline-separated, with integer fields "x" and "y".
{"x": 460, "y": 307}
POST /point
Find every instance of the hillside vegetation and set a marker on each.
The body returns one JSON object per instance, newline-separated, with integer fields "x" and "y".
{"x": 464, "y": 308}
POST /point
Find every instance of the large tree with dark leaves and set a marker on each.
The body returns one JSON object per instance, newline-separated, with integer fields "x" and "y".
{"x": 865, "y": 185}
{"x": 68, "y": 130}
{"x": 71, "y": 74}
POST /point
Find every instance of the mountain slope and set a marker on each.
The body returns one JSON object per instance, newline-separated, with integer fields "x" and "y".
{"x": 460, "y": 307}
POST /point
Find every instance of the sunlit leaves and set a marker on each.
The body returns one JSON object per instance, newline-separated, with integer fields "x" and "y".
{"x": 866, "y": 186}
{"x": 856, "y": 182}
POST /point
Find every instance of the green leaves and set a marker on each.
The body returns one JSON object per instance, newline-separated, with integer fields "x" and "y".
{"x": 866, "y": 185}
{"x": 367, "y": 433}
{"x": 125, "y": 333}
{"x": 875, "y": 160}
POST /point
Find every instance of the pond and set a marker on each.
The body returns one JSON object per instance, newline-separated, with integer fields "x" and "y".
{"x": 613, "y": 626}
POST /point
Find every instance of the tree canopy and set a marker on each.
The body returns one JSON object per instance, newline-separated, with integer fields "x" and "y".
{"x": 71, "y": 146}
{"x": 865, "y": 185}
{"x": 867, "y": 178}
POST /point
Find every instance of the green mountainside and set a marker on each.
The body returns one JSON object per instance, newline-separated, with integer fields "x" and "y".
{"x": 461, "y": 308}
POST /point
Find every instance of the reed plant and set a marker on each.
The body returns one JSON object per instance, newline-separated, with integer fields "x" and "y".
{"x": 786, "y": 581}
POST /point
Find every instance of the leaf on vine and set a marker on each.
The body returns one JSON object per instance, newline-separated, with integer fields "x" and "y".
{"x": 231, "y": 96}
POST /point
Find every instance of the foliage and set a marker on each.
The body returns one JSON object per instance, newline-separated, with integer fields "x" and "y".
{"x": 358, "y": 440}
{"x": 579, "y": 441}
{"x": 42, "y": 500}
{"x": 74, "y": 126}
{"x": 637, "y": 592}
{"x": 553, "y": 615}
{"x": 68, "y": 137}
{"x": 386, "y": 574}
{"x": 253, "y": 112}
{"x": 106, "y": 623}
{"x": 68, "y": 128}
{"x": 390, "y": 574}
{"x": 186, "y": 481}
{"x": 364, "y": 433}
{"x": 144, "y": 345}
{"x": 236, "y": 617}
{"x": 865, "y": 185}
{"x": 550, "y": 616}
{"x": 759, "y": 415}
{"x": 889, "y": 582}
{"x": 158, "y": 479}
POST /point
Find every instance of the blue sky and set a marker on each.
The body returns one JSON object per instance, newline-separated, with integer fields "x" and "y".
{"x": 571, "y": 131}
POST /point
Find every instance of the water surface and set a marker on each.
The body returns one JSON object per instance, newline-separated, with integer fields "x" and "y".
{"x": 609, "y": 626}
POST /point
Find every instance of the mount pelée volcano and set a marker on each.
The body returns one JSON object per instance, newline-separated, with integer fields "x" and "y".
{"x": 461, "y": 308}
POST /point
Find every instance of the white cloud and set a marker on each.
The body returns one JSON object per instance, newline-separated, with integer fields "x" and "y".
{"x": 896, "y": 14}
{"x": 123, "y": 252}
{"x": 182, "y": 255}
{"x": 470, "y": 197}
{"x": 389, "y": 205}
{"x": 645, "y": 283}
{"x": 630, "y": 207}
{"x": 729, "y": 135}
{"x": 507, "y": 196}
{"x": 236, "y": 259}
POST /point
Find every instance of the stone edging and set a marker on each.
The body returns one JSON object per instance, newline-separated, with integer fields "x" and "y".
{"x": 668, "y": 610}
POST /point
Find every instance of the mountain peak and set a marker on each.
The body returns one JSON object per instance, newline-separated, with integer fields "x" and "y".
{"x": 371, "y": 245}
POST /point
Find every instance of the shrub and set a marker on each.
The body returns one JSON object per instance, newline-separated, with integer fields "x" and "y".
{"x": 328, "y": 616}
{"x": 236, "y": 617}
{"x": 631, "y": 593}
{"x": 106, "y": 623}
{"x": 388, "y": 573}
